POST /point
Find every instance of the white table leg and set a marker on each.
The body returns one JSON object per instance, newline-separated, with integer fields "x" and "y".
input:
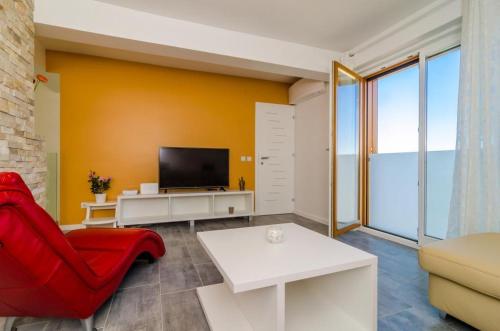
{"x": 280, "y": 307}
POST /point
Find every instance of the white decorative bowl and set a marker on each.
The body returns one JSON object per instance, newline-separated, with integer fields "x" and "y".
{"x": 275, "y": 234}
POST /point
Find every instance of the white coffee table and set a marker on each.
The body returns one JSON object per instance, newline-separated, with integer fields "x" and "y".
{"x": 308, "y": 282}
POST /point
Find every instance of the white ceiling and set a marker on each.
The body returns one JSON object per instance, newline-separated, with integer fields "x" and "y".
{"x": 337, "y": 25}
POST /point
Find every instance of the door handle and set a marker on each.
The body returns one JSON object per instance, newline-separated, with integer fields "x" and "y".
{"x": 264, "y": 157}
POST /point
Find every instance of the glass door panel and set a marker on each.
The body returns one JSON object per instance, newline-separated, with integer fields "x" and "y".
{"x": 441, "y": 114}
{"x": 347, "y": 146}
{"x": 393, "y": 154}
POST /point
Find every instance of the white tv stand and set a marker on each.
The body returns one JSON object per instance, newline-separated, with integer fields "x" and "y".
{"x": 191, "y": 206}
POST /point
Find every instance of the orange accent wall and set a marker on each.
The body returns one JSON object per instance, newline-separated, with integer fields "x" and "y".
{"x": 116, "y": 114}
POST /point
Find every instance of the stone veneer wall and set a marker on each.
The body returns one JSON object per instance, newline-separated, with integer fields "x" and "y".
{"x": 20, "y": 149}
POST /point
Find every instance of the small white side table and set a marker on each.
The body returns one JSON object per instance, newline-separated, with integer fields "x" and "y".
{"x": 91, "y": 206}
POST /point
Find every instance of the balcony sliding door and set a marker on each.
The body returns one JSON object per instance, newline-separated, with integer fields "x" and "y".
{"x": 393, "y": 146}
{"x": 441, "y": 86}
{"x": 412, "y": 118}
{"x": 393, "y": 100}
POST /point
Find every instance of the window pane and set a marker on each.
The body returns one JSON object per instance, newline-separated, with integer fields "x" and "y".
{"x": 398, "y": 111}
{"x": 347, "y": 150}
{"x": 442, "y": 100}
{"x": 393, "y": 170}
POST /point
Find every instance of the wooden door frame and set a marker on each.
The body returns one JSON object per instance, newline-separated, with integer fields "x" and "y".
{"x": 362, "y": 168}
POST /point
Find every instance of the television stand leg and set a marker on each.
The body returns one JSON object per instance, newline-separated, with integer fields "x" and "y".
{"x": 191, "y": 225}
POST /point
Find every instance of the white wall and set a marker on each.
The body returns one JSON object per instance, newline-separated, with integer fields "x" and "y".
{"x": 311, "y": 158}
{"x": 47, "y": 125}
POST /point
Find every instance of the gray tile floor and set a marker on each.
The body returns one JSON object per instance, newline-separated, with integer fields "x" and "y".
{"x": 162, "y": 297}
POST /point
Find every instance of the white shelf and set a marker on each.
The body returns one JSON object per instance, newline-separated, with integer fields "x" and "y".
{"x": 191, "y": 217}
{"x": 221, "y": 309}
{"x": 189, "y": 206}
{"x": 92, "y": 206}
{"x": 99, "y": 221}
{"x": 235, "y": 214}
{"x": 146, "y": 219}
{"x": 310, "y": 308}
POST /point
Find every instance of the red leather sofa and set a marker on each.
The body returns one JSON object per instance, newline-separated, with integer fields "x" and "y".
{"x": 44, "y": 273}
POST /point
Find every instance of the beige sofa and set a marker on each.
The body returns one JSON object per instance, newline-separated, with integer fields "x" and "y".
{"x": 464, "y": 278}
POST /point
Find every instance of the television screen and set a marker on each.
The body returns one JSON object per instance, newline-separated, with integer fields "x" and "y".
{"x": 193, "y": 167}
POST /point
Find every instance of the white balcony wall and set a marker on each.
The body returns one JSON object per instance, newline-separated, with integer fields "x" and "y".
{"x": 439, "y": 183}
{"x": 393, "y": 199}
{"x": 347, "y": 190}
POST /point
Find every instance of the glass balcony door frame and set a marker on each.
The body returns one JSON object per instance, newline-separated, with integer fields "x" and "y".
{"x": 362, "y": 163}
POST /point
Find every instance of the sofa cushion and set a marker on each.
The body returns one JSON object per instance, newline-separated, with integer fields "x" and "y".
{"x": 472, "y": 261}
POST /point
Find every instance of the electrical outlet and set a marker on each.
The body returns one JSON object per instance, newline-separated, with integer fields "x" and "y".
{"x": 249, "y": 159}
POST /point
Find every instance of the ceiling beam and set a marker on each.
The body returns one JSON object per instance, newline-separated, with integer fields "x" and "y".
{"x": 100, "y": 24}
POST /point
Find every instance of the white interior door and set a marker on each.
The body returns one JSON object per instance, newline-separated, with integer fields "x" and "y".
{"x": 274, "y": 158}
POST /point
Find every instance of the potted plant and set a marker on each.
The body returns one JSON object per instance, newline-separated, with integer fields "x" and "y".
{"x": 99, "y": 185}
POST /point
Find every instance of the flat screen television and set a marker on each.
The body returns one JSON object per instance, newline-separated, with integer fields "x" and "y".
{"x": 194, "y": 167}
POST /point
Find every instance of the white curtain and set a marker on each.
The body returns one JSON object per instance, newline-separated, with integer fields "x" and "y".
{"x": 475, "y": 202}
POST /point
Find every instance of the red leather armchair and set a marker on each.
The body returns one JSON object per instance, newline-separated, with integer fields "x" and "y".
{"x": 44, "y": 273}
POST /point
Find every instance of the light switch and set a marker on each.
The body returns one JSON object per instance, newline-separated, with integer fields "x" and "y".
{"x": 243, "y": 158}
{"x": 249, "y": 159}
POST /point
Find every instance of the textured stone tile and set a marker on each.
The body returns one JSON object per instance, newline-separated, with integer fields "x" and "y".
{"x": 412, "y": 320}
{"x": 210, "y": 225}
{"x": 234, "y": 223}
{"x": 198, "y": 253}
{"x": 102, "y": 314}
{"x": 209, "y": 274}
{"x": 37, "y": 326}
{"x": 390, "y": 302}
{"x": 458, "y": 325}
{"x": 178, "y": 276}
{"x": 21, "y": 149}
{"x": 46, "y": 324}
{"x": 176, "y": 254}
{"x": 172, "y": 234}
{"x": 134, "y": 309}
{"x": 142, "y": 273}
{"x": 182, "y": 312}
{"x": 190, "y": 237}
{"x": 267, "y": 220}
{"x": 63, "y": 325}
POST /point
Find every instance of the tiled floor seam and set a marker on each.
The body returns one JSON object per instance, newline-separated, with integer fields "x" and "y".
{"x": 192, "y": 262}
{"x": 109, "y": 311}
{"x": 161, "y": 301}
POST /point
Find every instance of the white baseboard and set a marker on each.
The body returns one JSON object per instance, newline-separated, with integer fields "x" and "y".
{"x": 388, "y": 236}
{"x": 312, "y": 216}
{"x": 69, "y": 227}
